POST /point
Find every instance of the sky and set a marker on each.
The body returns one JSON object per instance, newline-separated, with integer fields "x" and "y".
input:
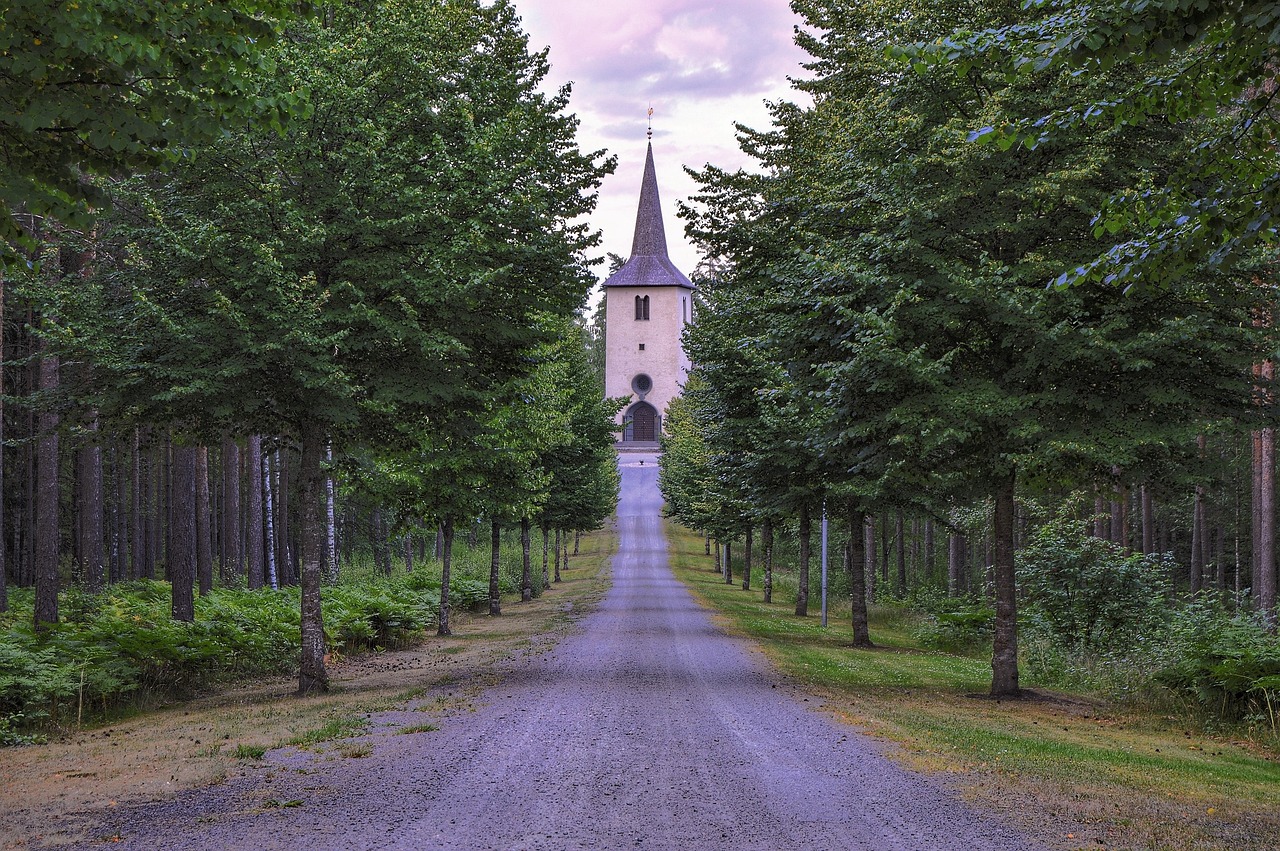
{"x": 701, "y": 64}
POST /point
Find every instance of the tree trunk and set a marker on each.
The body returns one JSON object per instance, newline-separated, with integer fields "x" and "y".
{"x": 869, "y": 556}
{"x": 1265, "y": 579}
{"x": 204, "y": 525}
{"x": 268, "y": 507}
{"x": 46, "y": 508}
{"x": 766, "y": 543}
{"x": 577, "y": 540}
{"x": 900, "y": 542}
{"x": 1197, "y": 540}
{"x": 446, "y": 563}
{"x": 284, "y": 532}
{"x": 728, "y": 563}
{"x": 546, "y": 543}
{"x": 495, "y": 542}
{"x": 746, "y": 560}
{"x": 526, "y": 565}
{"x": 556, "y": 565}
{"x": 138, "y": 549}
{"x": 312, "y": 676}
{"x": 802, "y": 591}
{"x": 4, "y": 566}
{"x": 181, "y": 558}
{"x": 1099, "y": 516}
{"x": 91, "y": 508}
{"x": 253, "y": 520}
{"x": 1004, "y": 658}
{"x": 929, "y": 547}
{"x": 955, "y": 564}
{"x": 229, "y": 551}
{"x": 1148, "y": 520}
{"x": 855, "y": 565}
{"x": 330, "y": 522}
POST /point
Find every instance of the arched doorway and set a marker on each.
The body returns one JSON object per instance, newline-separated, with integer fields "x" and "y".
{"x": 642, "y": 424}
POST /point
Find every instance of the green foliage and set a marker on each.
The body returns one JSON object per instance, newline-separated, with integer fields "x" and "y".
{"x": 123, "y": 644}
{"x": 1085, "y": 592}
{"x": 110, "y": 86}
{"x": 961, "y": 625}
{"x": 1228, "y": 665}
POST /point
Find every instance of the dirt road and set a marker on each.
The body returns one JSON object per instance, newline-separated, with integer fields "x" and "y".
{"x": 648, "y": 728}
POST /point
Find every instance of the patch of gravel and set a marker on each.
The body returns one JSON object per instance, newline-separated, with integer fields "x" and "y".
{"x": 646, "y": 728}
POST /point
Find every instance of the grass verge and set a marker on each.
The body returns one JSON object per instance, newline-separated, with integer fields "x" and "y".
{"x": 1069, "y": 769}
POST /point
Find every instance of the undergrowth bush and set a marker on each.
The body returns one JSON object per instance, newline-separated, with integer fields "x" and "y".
{"x": 122, "y": 645}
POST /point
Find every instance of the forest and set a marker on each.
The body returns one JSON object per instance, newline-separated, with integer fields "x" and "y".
{"x": 995, "y": 308}
{"x": 287, "y": 306}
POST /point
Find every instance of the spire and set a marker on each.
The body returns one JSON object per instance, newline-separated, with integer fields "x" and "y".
{"x": 649, "y": 264}
{"x": 650, "y": 239}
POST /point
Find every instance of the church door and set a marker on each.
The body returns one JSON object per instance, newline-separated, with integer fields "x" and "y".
{"x": 644, "y": 422}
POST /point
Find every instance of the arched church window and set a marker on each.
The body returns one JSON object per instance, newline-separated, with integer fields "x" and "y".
{"x": 642, "y": 307}
{"x": 639, "y": 309}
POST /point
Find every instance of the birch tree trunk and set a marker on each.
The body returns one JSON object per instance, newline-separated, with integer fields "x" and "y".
{"x": 46, "y": 504}
{"x": 181, "y": 556}
{"x": 273, "y": 578}
{"x": 495, "y": 543}
{"x": 312, "y": 676}
{"x": 728, "y": 563}
{"x": 1004, "y": 658}
{"x": 446, "y": 564}
{"x": 802, "y": 591}
{"x": 330, "y": 525}
{"x": 204, "y": 525}
{"x": 253, "y": 520}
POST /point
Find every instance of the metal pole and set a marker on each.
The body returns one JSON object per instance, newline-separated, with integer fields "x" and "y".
{"x": 824, "y": 562}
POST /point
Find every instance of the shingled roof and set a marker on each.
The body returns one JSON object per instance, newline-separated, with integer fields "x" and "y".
{"x": 649, "y": 264}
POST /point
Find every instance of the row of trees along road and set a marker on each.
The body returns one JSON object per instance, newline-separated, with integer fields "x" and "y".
{"x": 364, "y": 267}
{"x": 891, "y": 324}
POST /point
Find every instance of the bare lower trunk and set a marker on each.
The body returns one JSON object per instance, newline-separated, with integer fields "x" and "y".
{"x": 330, "y": 521}
{"x": 869, "y": 556}
{"x": 268, "y": 506}
{"x": 746, "y": 560}
{"x": 1004, "y": 657}
{"x": 929, "y": 550}
{"x": 138, "y": 548}
{"x": 526, "y": 565}
{"x": 312, "y": 676}
{"x": 1265, "y": 581}
{"x": 900, "y": 541}
{"x": 204, "y": 543}
{"x": 802, "y": 591}
{"x": 557, "y": 559}
{"x": 1148, "y": 520}
{"x": 46, "y": 508}
{"x": 181, "y": 557}
{"x": 229, "y": 551}
{"x": 495, "y": 542}
{"x": 766, "y": 543}
{"x": 446, "y": 564}
{"x": 728, "y": 563}
{"x": 955, "y": 564}
{"x": 254, "y": 542}
{"x": 4, "y": 578}
{"x": 546, "y": 544}
{"x": 855, "y": 564}
{"x": 1197, "y": 540}
{"x": 91, "y": 527}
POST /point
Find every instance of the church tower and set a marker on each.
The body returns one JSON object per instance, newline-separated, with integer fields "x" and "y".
{"x": 648, "y": 303}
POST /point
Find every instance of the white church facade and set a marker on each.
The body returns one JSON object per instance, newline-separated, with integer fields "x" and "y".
{"x": 648, "y": 303}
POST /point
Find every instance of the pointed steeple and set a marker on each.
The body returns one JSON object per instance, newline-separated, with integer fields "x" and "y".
{"x": 649, "y": 264}
{"x": 650, "y": 239}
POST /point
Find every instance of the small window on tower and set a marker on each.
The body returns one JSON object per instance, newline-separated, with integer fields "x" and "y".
{"x": 642, "y": 347}
{"x": 645, "y": 306}
{"x": 639, "y": 309}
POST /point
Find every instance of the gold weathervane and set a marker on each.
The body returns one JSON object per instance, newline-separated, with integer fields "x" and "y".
{"x": 649, "y": 134}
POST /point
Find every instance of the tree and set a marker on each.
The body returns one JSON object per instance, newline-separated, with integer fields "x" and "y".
{"x": 1208, "y": 67}
{"x": 116, "y": 86}
{"x": 385, "y": 261}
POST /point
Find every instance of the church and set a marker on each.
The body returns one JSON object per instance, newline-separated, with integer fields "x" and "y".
{"x": 647, "y": 304}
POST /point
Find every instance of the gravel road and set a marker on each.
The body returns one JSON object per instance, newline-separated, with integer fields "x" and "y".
{"x": 647, "y": 728}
